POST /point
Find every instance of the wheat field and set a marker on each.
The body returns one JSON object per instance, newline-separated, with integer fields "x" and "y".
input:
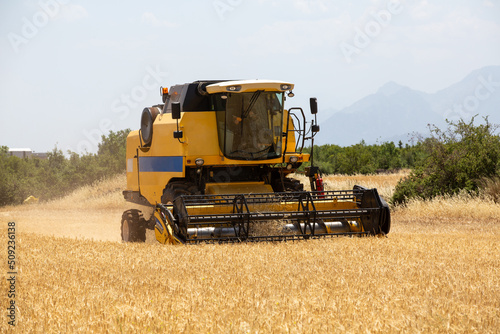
{"x": 437, "y": 271}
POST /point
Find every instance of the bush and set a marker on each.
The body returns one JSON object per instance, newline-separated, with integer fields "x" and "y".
{"x": 491, "y": 188}
{"x": 458, "y": 159}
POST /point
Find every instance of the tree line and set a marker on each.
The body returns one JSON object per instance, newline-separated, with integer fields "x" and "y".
{"x": 58, "y": 175}
{"x": 367, "y": 159}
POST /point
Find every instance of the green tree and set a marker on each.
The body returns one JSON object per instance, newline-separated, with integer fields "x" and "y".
{"x": 6, "y": 178}
{"x": 112, "y": 151}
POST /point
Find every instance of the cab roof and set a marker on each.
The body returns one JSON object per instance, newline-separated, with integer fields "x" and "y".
{"x": 242, "y": 86}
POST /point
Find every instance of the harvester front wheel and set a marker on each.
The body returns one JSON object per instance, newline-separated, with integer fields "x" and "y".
{"x": 173, "y": 190}
{"x": 133, "y": 226}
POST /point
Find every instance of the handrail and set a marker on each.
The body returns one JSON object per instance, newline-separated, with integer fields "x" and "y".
{"x": 300, "y": 130}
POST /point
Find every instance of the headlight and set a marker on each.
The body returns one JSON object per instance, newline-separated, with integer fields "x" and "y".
{"x": 234, "y": 88}
{"x": 285, "y": 87}
{"x": 294, "y": 159}
{"x": 199, "y": 162}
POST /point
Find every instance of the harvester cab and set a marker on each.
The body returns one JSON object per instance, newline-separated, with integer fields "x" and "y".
{"x": 214, "y": 163}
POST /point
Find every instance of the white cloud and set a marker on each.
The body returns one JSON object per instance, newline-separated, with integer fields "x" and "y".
{"x": 488, "y": 3}
{"x": 110, "y": 44}
{"x": 304, "y": 6}
{"x": 423, "y": 10}
{"x": 151, "y": 19}
{"x": 309, "y": 6}
{"x": 299, "y": 37}
{"x": 72, "y": 12}
{"x": 448, "y": 36}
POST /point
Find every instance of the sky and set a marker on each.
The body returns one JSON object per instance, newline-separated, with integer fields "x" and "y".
{"x": 73, "y": 70}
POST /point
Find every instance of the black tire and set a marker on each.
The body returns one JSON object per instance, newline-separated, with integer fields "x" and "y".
{"x": 133, "y": 226}
{"x": 289, "y": 184}
{"x": 385, "y": 217}
{"x": 177, "y": 188}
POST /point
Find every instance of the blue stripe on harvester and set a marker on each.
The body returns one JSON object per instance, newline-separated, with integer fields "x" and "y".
{"x": 161, "y": 164}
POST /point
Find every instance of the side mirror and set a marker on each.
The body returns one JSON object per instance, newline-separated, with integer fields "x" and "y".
{"x": 176, "y": 114}
{"x": 176, "y": 110}
{"x": 314, "y": 105}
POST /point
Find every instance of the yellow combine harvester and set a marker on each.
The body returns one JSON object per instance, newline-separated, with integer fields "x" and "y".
{"x": 212, "y": 164}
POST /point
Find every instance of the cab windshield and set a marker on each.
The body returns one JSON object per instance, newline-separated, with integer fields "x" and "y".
{"x": 249, "y": 124}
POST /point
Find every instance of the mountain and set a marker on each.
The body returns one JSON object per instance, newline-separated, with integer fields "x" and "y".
{"x": 397, "y": 112}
